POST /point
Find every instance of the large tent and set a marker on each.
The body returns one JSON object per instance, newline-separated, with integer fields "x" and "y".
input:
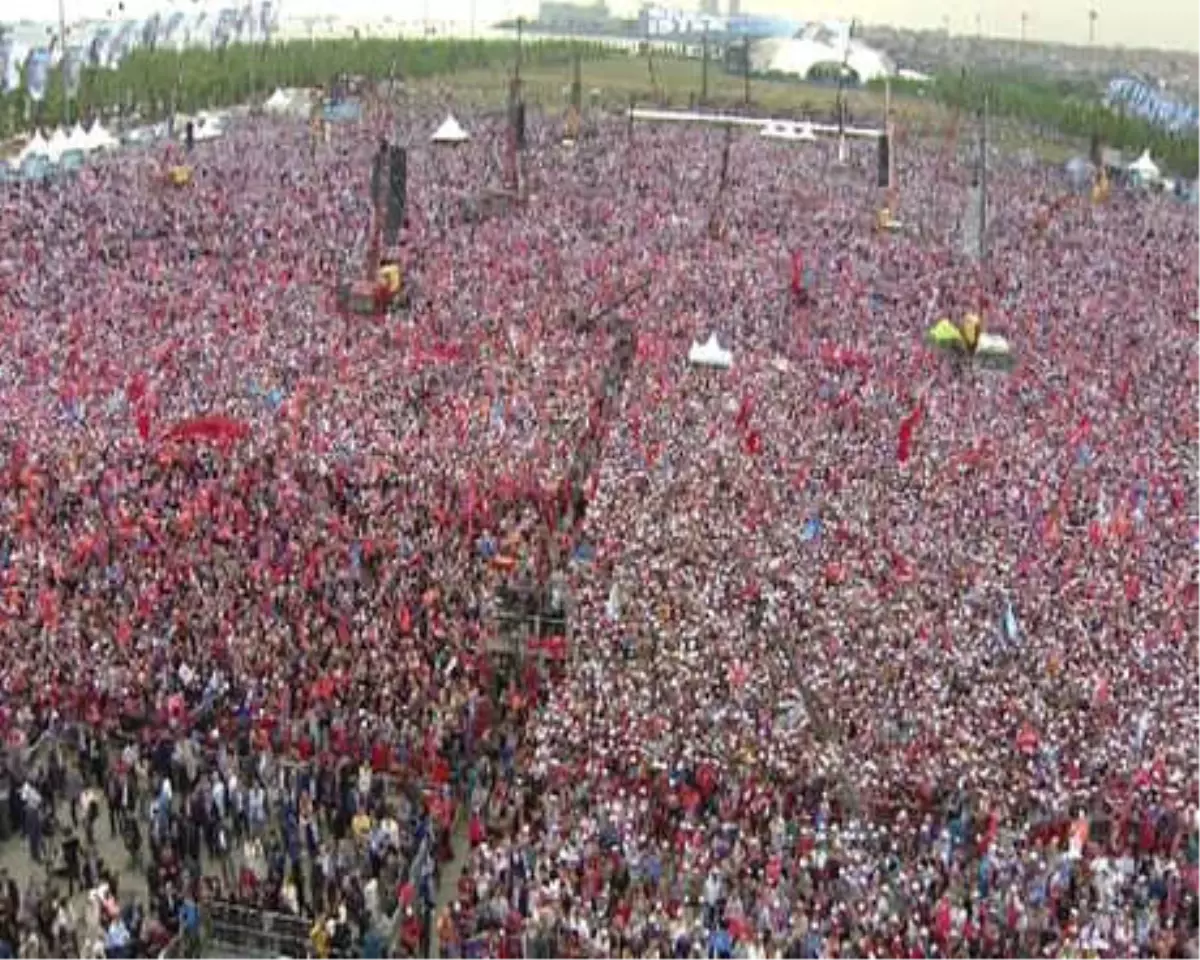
{"x": 450, "y": 131}
{"x": 59, "y": 144}
{"x": 101, "y": 139}
{"x": 294, "y": 101}
{"x": 1143, "y": 169}
{"x": 710, "y": 353}
{"x": 38, "y": 146}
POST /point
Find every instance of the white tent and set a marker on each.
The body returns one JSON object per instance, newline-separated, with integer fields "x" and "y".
{"x": 101, "y": 139}
{"x": 37, "y": 147}
{"x": 278, "y": 102}
{"x": 710, "y": 354}
{"x": 78, "y": 139}
{"x": 58, "y": 144}
{"x": 207, "y": 126}
{"x": 450, "y": 131}
{"x": 991, "y": 343}
{"x": 1144, "y": 168}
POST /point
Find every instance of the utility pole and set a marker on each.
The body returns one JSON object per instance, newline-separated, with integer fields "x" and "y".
{"x": 746, "y": 70}
{"x": 891, "y": 139}
{"x": 841, "y": 103}
{"x": 1093, "y": 16}
{"x": 1024, "y": 23}
{"x": 520, "y": 33}
{"x": 704, "y": 67}
{"x": 983, "y": 182}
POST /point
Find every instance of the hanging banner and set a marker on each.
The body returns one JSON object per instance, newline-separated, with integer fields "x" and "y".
{"x": 397, "y": 196}
{"x": 223, "y": 29}
{"x": 72, "y": 70}
{"x": 97, "y": 52}
{"x": 883, "y": 172}
{"x": 1140, "y": 99}
{"x": 150, "y": 32}
{"x": 171, "y": 33}
{"x": 37, "y": 74}
{"x": 17, "y": 55}
{"x": 7, "y": 55}
{"x": 121, "y": 44}
{"x": 266, "y": 20}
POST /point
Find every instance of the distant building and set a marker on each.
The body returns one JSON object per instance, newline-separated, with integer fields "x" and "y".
{"x": 735, "y": 8}
{"x": 711, "y": 7}
{"x": 573, "y": 18}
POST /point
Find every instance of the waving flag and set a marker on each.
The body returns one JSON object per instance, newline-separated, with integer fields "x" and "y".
{"x": 150, "y": 31}
{"x": 907, "y": 426}
{"x": 98, "y": 47}
{"x": 7, "y": 56}
{"x": 266, "y": 20}
{"x": 170, "y": 29}
{"x": 37, "y": 74}
{"x": 72, "y": 69}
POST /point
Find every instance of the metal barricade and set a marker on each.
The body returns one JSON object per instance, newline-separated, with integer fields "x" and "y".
{"x": 251, "y": 932}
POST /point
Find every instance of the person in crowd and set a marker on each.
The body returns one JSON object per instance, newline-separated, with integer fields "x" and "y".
{"x": 852, "y": 650}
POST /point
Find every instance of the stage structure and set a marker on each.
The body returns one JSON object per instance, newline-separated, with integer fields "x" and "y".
{"x": 756, "y": 123}
{"x": 575, "y": 109}
{"x": 381, "y": 288}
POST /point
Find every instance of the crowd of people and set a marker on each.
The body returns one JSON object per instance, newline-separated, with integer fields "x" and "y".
{"x": 870, "y": 653}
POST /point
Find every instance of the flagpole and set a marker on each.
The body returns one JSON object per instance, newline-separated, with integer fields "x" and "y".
{"x": 62, "y": 53}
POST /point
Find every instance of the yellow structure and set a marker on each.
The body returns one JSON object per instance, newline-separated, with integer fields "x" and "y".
{"x": 971, "y": 327}
{"x": 885, "y": 222}
{"x": 179, "y": 176}
{"x": 390, "y": 278}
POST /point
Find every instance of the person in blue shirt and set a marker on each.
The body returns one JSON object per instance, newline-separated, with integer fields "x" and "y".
{"x": 720, "y": 944}
{"x": 189, "y": 926}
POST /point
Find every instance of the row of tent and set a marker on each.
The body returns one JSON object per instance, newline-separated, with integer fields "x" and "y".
{"x": 67, "y": 150}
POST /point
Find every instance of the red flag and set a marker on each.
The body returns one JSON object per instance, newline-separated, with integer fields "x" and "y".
{"x": 907, "y": 426}
{"x": 143, "y": 423}
{"x": 797, "y": 272}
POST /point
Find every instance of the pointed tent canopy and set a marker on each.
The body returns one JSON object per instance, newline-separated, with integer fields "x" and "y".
{"x": 450, "y": 131}
{"x": 710, "y": 354}
{"x": 277, "y": 101}
{"x": 37, "y": 147}
{"x": 945, "y": 334}
{"x": 78, "y": 139}
{"x": 58, "y": 144}
{"x": 1144, "y": 167}
{"x": 101, "y": 139}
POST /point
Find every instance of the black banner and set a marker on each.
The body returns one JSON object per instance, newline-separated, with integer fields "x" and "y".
{"x": 397, "y": 195}
{"x": 882, "y": 177}
{"x": 519, "y": 124}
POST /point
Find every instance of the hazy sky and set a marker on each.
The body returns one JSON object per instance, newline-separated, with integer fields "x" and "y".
{"x": 1173, "y": 24}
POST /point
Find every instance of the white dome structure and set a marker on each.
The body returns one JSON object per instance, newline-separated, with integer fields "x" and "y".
{"x": 828, "y": 45}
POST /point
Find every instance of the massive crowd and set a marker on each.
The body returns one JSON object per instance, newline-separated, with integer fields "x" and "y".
{"x": 822, "y": 697}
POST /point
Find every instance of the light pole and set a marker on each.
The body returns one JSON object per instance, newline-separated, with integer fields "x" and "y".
{"x": 1093, "y": 16}
{"x": 1024, "y": 23}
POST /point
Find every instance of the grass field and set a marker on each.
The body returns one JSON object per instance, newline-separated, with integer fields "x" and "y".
{"x": 676, "y": 82}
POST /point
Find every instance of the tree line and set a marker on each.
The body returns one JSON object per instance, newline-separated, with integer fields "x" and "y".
{"x": 1057, "y": 107}
{"x": 154, "y": 83}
